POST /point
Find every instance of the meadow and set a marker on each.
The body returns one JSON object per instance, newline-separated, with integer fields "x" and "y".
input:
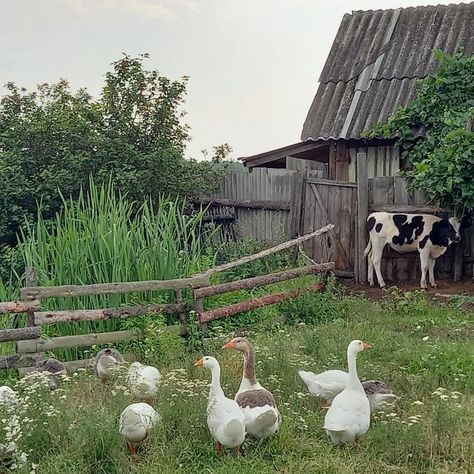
{"x": 422, "y": 349}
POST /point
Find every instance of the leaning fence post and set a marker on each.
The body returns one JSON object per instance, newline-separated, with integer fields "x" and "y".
{"x": 31, "y": 279}
{"x": 360, "y": 269}
{"x": 183, "y": 315}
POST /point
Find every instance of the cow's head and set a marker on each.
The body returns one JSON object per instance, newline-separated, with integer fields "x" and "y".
{"x": 458, "y": 226}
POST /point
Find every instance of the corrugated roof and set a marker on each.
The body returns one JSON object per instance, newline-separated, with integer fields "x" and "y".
{"x": 375, "y": 63}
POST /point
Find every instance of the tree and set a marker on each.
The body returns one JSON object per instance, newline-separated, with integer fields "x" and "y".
{"x": 54, "y": 139}
{"x": 441, "y": 160}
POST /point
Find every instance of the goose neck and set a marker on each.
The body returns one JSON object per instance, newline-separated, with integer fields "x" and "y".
{"x": 352, "y": 363}
{"x": 216, "y": 388}
{"x": 249, "y": 365}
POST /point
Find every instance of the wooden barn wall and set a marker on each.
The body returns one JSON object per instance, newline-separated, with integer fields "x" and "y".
{"x": 381, "y": 161}
{"x": 297, "y": 164}
{"x": 267, "y": 184}
{"x": 393, "y": 191}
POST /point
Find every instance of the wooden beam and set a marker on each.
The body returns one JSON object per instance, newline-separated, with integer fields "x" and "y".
{"x": 256, "y": 303}
{"x": 406, "y": 209}
{"x": 19, "y": 306}
{"x": 297, "y": 200}
{"x": 360, "y": 269}
{"x": 50, "y": 317}
{"x": 71, "y": 366}
{"x": 112, "y": 288}
{"x": 264, "y": 280}
{"x": 31, "y": 279}
{"x": 65, "y": 342}
{"x": 15, "y": 361}
{"x": 219, "y": 217}
{"x": 332, "y": 182}
{"x": 19, "y": 334}
{"x": 248, "y": 204}
{"x": 264, "y": 253}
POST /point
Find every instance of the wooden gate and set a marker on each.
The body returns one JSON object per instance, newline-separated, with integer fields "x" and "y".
{"x": 335, "y": 202}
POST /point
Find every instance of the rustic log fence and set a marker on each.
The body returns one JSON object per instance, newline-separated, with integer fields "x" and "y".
{"x": 31, "y": 343}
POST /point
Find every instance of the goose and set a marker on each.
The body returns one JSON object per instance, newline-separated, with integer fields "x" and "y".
{"x": 8, "y": 396}
{"x": 331, "y": 382}
{"x": 104, "y": 361}
{"x": 348, "y": 417}
{"x": 262, "y": 418}
{"x": 54, "y": 369}
{"x": 136, "y": 422}
{"x": 144, "y": 381}
{"x": 225, "y": 419}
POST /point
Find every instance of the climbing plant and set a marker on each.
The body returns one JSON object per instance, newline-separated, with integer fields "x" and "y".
{"x": 436, "y": 134}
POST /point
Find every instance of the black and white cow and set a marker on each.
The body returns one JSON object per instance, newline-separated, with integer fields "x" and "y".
{"x": 427, "y": 234}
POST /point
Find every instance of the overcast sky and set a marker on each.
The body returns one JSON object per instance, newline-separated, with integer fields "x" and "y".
{"x": 253, "y": 64}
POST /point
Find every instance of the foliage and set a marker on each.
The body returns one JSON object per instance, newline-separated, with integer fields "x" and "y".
{"x": 103, "y": 237}
{"x": 75, "y": 430}
{"x": 442, "y": 161}
{"x": 53, "y": 138}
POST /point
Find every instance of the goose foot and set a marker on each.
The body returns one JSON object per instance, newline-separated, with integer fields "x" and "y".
{"x": 218, "y": 447}
{"x": 237, "y": 450}
{"x": 132, "y": 448}
{"x": 357, "y": 442}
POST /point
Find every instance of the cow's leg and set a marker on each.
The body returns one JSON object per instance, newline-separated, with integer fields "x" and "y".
{"x": 424, "y": 259}
{"x": 370, "y": 269}
{"x": 377, "y": 250}
{"x": 431, "y": 265}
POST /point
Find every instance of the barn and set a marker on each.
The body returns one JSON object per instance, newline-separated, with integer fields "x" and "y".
{"x": 373, "y": 68}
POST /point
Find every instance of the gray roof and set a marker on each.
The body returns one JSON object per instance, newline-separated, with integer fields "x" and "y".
{"x": 375, "y": 63}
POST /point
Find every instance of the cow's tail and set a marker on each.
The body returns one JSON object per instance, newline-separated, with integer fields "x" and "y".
{"x": 368, "y": 248}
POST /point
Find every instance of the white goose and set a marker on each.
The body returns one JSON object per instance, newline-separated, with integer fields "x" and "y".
{"x": 331, "y": 382}
{"x": 8, "y": 396}
{"x": 225, "y": 419}
{"x": 104, "y": 361}
{"x": 136, "y": 422}
{"x": 144, "y": 381}
{"x": 262, "y": 417}
{"x": 348, "y": 417}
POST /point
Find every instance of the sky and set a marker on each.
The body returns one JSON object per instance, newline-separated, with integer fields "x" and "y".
{"x": 253, "y": 64}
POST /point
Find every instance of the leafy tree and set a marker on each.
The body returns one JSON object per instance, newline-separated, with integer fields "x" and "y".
{"x": 441, "y": 161}
{"x": 133, "y": 135}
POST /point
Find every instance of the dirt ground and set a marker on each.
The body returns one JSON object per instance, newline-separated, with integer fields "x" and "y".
{"x": 445, "y": 288}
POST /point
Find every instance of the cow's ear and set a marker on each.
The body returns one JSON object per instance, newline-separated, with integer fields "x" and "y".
{"x": 466, "y": 222}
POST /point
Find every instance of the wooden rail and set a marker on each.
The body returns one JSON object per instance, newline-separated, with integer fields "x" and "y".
{"x": 16, "y": 361}
{"x": 19, "y": 334}
{"x": 253, "y": 204}
{"x": 50, "y": 317}
{"x": 409, "y": 209}
{"x": 218, "y": 313}
{"x": 83, "y": 340}
{"x": 14, "y": 307}
{"x": 264, "y": 280}
{"x": 40, "y": 292}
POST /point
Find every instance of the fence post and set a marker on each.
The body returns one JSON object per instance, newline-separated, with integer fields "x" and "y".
{"x": 183, "y": 317}
{"x": 360, "y": 272}
{"x": 31, "y": 279}
{"x": 199, "y": 308}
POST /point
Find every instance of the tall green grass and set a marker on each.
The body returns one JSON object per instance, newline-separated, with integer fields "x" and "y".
{"x": 103, "y": 237}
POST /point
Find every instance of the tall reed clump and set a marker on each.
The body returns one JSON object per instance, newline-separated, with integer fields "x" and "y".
{"x": 103, "y": 237}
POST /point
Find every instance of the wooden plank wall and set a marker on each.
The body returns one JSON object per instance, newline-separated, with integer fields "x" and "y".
{"x": 393, "y": 191}
{"x": 297, "y": 164}
{"x": 266, "y": 184}
{"x": 381, "y": 161}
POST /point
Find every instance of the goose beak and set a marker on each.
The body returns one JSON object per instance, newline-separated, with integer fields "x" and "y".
{"x": 367, "y": 346}
{"x": 199, "y": 362}
{"x": 229, "y": 345}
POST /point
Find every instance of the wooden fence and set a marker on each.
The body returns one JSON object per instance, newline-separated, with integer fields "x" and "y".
{"x": 31, "y": 344}
{"x": 276, "y": 204}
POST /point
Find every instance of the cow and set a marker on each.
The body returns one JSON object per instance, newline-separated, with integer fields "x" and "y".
{"x": 427, "y": 234}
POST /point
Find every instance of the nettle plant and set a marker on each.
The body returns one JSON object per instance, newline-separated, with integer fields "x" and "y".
{"x": 441, "y": 161}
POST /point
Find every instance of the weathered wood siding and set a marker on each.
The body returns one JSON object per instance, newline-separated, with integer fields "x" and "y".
{"x": 381, "y": 161}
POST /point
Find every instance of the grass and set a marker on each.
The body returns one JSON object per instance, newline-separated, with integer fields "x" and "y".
{"x": 423, "y": 350}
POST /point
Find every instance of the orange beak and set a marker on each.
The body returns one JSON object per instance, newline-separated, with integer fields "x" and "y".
{"x": 199, "y": 362}
{"x": 367, "y": 346}
{"x": 229, "y": 345}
